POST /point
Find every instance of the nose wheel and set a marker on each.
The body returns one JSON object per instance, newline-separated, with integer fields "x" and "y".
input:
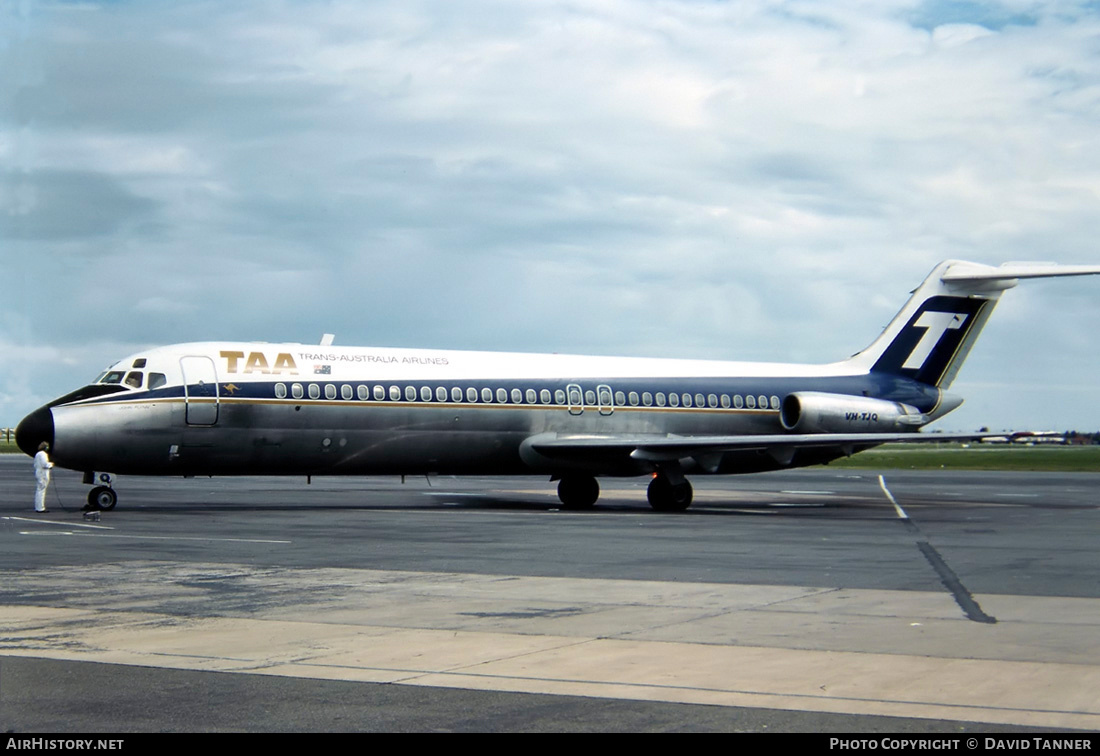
{"x": 102, "y": 497}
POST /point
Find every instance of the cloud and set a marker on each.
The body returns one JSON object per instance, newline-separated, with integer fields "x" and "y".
{"x": 51, "y": 205}
{"x": 760, "y": 180}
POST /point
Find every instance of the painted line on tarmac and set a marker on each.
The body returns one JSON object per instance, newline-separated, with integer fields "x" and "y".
{"x": 62, "y": 524}
{"x": 119, "y": 535}
{"x": 897, "y": 507}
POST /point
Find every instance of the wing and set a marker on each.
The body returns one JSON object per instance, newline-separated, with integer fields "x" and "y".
{"x": 707, "y": 450}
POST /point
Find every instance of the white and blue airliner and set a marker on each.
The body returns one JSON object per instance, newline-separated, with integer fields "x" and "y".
{"x": 226, "y": 408}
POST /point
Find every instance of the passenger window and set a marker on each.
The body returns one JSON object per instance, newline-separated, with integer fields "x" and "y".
{"x": 156, "y": 380}
{"x": 280, "y": 388}
{"x": 750, "y": 401}
{"x": 762, "y": 401}
{"x": 660, "y": 399}
{"x": 296, "y": 390}
{"x": 700, "y": 400}
{"x": 330, "y": 391}
{"x": 425, "y": 394}
{"x": 712, "y": 400}
{"x": 410, "y": 393}
{"x": 363, "y": 392}
{"x": 347, "y": 392}
{"x": 633, "y": 398}
{"x": 486, "y": 395}
{"x": 456, "y": 394}
{"x": 674, "y": 400}
{"x": 471, "y": 394}
{"x": 532, "y": 397}
{"x": 620, "y": 398}
{"x": 647, "y": 398}
{"x": 559, "y": 397}
{"x": 590, "y": 397}
{"x": 314, "y": 391}
{"x": 517, "y": 396}
{"x": 440, "y": 394}
{"x": 395, "y": 394}
{"x": 544, "y": 395}
{"x": 738, "y": 402}
{"x": 379, "y": 393}
{"x": 775, "y": 402}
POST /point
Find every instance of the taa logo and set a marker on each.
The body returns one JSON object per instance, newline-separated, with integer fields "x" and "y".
{"x": 935, "y": 325}
{"x": 256, "y": 362}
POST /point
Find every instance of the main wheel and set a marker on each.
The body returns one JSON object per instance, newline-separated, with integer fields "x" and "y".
{"x": 665, "y": 497}
{"x": 102, "y": 497}
{"x": 578, "y": 491}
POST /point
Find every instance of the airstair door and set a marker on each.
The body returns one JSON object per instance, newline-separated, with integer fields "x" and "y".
{"x": 200, "y": 386}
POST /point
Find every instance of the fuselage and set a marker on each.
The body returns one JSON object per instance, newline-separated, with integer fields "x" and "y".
{"x": 222, "y": 408}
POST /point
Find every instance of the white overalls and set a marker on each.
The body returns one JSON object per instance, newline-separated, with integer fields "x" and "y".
{"x": 42, "y": 465}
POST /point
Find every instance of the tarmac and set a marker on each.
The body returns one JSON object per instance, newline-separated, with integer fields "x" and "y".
{"x": 820, "y": 600}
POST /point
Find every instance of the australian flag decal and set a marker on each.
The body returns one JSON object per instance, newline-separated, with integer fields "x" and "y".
{"x": 322, "y": 369}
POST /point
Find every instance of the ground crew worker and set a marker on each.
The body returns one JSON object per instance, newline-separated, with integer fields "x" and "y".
{"x": 42, "y": 465}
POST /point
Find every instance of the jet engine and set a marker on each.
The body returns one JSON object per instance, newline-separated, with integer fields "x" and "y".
{"x": 817, "y": 412}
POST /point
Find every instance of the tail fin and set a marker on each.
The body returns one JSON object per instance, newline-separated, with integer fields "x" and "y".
{"x": 936, "y": 329}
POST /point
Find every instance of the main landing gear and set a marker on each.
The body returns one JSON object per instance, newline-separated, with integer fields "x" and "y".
{"x": 665, "y": 496}
{"x": 578, "y": 491}
{"x": 581, "y": 491}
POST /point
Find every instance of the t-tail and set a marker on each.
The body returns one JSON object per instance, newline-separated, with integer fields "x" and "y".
{"x": 930, "y": 338}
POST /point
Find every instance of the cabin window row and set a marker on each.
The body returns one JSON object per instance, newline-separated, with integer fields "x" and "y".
{"x": 472, "y": 395}
{"x": 725, "y": 401}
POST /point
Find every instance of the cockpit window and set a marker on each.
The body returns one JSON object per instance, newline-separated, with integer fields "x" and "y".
{"x": 113, "y": 376}
{"x": 135, "y": 379}
{"x": 156, "y": 380}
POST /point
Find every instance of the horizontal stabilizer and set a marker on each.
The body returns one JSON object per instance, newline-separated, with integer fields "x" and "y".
{"x": 1005, "y": 276}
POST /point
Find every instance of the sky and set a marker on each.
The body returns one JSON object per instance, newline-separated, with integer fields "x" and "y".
{"x": 752, "y": 180}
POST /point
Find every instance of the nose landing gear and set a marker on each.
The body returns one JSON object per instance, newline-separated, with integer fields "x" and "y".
{"x": 102, "y": 497}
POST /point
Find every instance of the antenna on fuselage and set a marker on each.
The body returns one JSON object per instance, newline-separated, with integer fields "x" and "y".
{"x": 327, "y": 339}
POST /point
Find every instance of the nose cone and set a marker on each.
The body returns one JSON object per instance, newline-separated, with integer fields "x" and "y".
{"x": 33, "y": 430}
